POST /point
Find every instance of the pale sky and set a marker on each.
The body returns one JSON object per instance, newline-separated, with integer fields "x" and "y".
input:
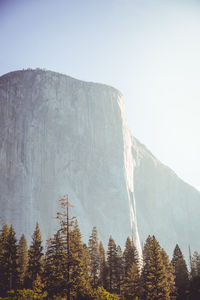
{"x": 148, "y": 49}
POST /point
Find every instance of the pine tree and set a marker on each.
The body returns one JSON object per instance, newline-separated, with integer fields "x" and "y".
{"x": 170, "y": 273}
{"x": 4, "y": 273}
{"x": 103, "y": 268}
{"x": 12, "y": 259}
{"x": 146, "y": 249}
{"x": 66, "y": 224}
{"x": 38, "y": 286}
{"x": 57, "y": 261}
{"x": 195, "y": 265}
{"x": 154, "y": 275}
{"x": 181, "y": 273}
{"x": 8, "y": 259}
{"x": 76, "y": 279}
{"x": 86, "y": 255}
{"x": 119, "y": 269}
{"x": 35, "y": 256}
{"x": 132, "y": 284}
{"x": 22, "y": 259}
{"x": 130, "y": 255}
{"x": 195, "y": 277}
{"x": 111, "y": 259}
{"x": 194, "y": 289}
{"x": 94, "y": 256}
{"x": 101, "y": 294}
{"x": 55, "y": 267}
{"x": 80, "y": 285}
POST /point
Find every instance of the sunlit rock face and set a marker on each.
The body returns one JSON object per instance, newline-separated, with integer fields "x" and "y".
{"x": 60, "y": 135}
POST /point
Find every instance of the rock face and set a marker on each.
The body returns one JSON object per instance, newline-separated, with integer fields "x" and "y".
{"x": 60, "y": 135}
{"x": 166, "y": 206}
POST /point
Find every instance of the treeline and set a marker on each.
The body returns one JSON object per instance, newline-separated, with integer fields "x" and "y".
{"x": 69, "y": 269}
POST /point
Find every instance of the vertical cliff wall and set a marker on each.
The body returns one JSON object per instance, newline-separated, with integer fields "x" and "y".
{"x": 60, "y": 135}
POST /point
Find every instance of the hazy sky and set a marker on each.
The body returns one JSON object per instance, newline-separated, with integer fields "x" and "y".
{"x": 148, "y": 49}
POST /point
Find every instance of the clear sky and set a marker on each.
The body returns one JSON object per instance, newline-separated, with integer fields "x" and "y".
{"x": 148, "y": 49}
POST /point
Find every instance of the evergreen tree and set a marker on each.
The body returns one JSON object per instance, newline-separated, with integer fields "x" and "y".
{"x": 4, "y": 273}
{"x": 146, "y": 249}
{"x": 8, "y": 259}
{"x": 103, "y": 268}
{"x": 80, "y": 285}
{"x": 38, "y": 286}
{"x": 22, "y": 259}
{"x": 55, "y": 267}
{"x": 119, "y": 269}
{"x": 86, "y": 255}
{"x": 76, "y": 278}
{"x": 12, "y": 259}
{"x": 130, "y": 255}
{"x": 170, "y": 273}
{"x": 66, "y": 224}
{"x": 94, "y": 256}
{"x": 154, "y": 275}
{"x": 195, "y": 288}
{"x": 132, "y": 284}
{"x": 35, "y": 256}
{"x": 181, "y": 273}
{"x": 101, "y": 294}
{"x": 195, "y": 277}
{"x": 195, "y": 265}
{"x": 111, "y": 260}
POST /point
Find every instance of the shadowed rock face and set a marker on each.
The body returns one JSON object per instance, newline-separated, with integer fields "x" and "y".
{"x": 166, "y": 206}
{"x": 60, "y": 135}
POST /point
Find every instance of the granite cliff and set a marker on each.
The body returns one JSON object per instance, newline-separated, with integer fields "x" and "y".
{"x": 61, "y": 135}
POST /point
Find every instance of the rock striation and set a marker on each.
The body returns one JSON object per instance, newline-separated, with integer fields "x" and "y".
{"x": 61, "y": 135}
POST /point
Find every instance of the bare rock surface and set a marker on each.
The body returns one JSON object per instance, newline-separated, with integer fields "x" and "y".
{"x": 61, "y": 135}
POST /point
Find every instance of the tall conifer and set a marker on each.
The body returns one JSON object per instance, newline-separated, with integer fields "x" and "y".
{"x": 132, "y": 284}
{"x": 103, "y": 268}
{"x": 22, "y": 259}
{"x": 4, "y": 272}
{"x": 8, "y": 259}
{"x": 111, "y": 259}
{"x": 170, "y": 273}
{"x": 195, "y": 265}
{"x": 55, "y": 267}
{"x": 80, "y": 285}
{"x": 154, "y": 275}
{"x": 66, "y": 223}
{"x": 74, "y": 256}
{"x": 35, "y": 256}
{"x": 130, "y": 255}
{"x": 86, "y": 255}
{"x": 195, "y": 277}
{"x": 119, "y": 269}
{"x": 12, "y": 259}
{"x": 94, "y": 256}
{"x": 181, "y": 273}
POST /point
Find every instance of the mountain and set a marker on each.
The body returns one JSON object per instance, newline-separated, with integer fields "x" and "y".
{"x": 166, "y": 206}
{"x": 61, "y": 135}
